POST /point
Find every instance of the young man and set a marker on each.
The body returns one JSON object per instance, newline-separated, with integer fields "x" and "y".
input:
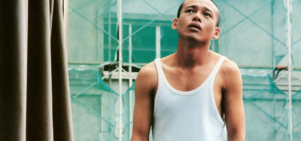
{"x": 194, "y": 93}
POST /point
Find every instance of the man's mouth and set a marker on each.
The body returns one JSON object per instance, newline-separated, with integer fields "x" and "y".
{"x": 195, "y": 25}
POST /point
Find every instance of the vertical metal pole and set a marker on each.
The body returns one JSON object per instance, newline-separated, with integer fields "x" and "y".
{"x": 110, "y": 32}
{"x": 130, "y": 80}
{"x": 109, "y": 50}
{"x": 289, "y": 68}
{"x": 272, "y": 29}
{"x": 96, "y": 35}
{"x": 158, "y": 41}
{"x": 120, "y": 67}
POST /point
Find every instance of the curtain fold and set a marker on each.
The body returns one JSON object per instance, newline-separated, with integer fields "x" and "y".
{"x": 60, "y": 83}
{"x": 34, "y": 88}
{"x": 13, "y": 54}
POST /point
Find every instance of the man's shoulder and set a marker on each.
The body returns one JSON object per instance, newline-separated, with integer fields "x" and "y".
{"x": 147, "y": 78}
{"x": 230, "y": 72}
{"x": 148, "y": 73}
{"x": 148, "y": 70}
{"x": 230, "y": 66}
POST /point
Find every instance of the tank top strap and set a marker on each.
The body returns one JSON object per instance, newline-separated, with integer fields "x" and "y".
{"x": 212, "y": 74}
{"x": 159, "y": 68}
{"x": 217, "y": 66}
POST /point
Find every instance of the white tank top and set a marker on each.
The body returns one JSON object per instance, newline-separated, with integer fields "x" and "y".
{"x": 187, "y": 116}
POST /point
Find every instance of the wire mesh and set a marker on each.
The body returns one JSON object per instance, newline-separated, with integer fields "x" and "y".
{"x": 253, "y": 34}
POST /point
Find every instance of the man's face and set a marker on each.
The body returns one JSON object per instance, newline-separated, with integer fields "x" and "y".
{"x": 197, "y": 21}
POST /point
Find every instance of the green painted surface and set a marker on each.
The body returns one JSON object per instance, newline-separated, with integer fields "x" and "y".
{"x": 253, "y": 34}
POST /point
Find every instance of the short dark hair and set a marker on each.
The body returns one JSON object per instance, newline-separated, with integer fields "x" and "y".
{"x": 218, "y": 15}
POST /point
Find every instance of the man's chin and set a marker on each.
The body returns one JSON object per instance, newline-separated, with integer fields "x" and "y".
{"x": 196, "y": 38}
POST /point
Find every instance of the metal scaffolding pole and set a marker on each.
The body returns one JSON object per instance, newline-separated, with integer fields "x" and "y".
{"x": 158, "y": 41}
{"x": 130, "y": 80}
{"x": 288, "y": 6}
{"x": 120, "y": 67}
{"x": 110, "y": 32}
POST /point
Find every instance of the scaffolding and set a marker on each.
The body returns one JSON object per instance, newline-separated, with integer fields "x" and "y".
{"x": 130, "y": 33}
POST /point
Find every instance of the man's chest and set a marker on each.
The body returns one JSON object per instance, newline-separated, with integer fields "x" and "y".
{"x": 187, "y": 81}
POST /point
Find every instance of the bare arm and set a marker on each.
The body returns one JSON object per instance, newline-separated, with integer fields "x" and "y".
{"x": 144, "y": 101}
{"x": 234, "y": 110}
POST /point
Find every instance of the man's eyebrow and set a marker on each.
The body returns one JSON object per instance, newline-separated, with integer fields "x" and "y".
{"x": 207, "y": 9}
{"x": 195, "y": 7}
{"x": 191, "y": 6}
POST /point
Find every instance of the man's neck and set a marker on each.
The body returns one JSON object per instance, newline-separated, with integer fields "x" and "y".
{"x": 191, "y": 54}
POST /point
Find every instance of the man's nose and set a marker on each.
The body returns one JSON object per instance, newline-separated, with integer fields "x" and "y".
{"x": 197, "y": 17}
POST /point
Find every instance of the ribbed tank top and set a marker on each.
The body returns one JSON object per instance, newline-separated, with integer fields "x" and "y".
{"x": 187, "y": 116}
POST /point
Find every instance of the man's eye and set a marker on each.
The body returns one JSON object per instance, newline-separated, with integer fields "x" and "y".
{"x": 189, "y": 11}
{"x": 207, "y": 14}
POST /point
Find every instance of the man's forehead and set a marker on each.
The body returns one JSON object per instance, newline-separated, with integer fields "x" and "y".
{"x": 207, "y": 3}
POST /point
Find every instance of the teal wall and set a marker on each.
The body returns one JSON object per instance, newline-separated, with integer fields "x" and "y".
{"x": 253, "y": 34}
{"x": 247, "y": 28}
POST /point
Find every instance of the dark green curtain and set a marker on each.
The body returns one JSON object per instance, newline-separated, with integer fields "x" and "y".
{"x": 34, "y": 87}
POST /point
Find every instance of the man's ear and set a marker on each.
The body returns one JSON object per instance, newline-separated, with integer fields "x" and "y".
{"x": 174, "y": 24}
{"x": 216, "y": 33}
